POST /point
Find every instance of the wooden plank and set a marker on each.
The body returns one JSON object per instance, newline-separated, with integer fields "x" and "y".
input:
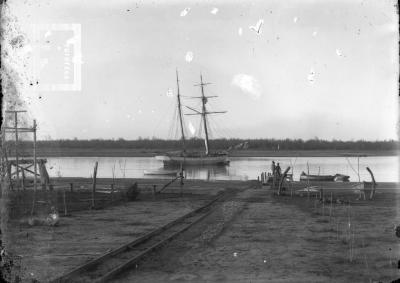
{"x": 94, "y": 185}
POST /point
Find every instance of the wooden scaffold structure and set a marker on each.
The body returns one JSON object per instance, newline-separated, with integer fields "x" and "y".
{"x": 18, "y": 167}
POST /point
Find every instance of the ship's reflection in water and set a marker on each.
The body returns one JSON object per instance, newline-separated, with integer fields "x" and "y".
{"x": 208, "y": 173}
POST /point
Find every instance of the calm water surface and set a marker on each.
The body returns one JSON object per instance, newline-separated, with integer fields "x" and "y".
{"x": 385, "y": 168}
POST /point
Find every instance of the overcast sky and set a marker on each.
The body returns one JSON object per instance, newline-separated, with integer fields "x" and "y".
{"x": 324, "y": 69}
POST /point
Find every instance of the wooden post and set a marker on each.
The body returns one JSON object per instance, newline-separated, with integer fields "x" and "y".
{"x": 16, "y": 146}
{"x": 8, "y": 166}
{"x": 181, "y": 182}
{"x": 33, "y": 203}
{"x": 34, "y": 156}
{"x": 23, "y": 179}
{"x": 273, "y": 180}
{"x": 291, "y": 189}
{"x": 364, "y": 195}
{"x": 282, "y": 179}
{"x": 113, "y": 182}
{"x": 4, "y": 158}
{"x": 94, "y": 185}
{"x": 65, "y": 203}
{"x": 71, "y": 187}
{"x": 371, "y": 196}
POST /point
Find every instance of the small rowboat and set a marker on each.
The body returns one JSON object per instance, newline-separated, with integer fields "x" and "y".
{"x": 324, "y": 178}
{"x": 162, "y": 172}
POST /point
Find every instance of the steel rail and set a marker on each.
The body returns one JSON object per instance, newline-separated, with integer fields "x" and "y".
{"x": 82, "y": 273}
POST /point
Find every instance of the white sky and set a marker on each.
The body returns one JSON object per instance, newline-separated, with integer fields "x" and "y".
{"x": 318, "y": 68}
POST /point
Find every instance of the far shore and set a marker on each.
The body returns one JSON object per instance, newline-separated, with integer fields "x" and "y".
{"x": 128, "y": 152}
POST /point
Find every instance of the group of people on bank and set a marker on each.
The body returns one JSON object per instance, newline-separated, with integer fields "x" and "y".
{"x": 276, "y": 169}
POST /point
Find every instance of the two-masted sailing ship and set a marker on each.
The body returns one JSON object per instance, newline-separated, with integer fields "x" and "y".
{"x": 186, "y": 157}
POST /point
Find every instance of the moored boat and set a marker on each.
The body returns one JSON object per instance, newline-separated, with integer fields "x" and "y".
{"x": 216, "y": 158}
{"x": 161, "y": 172}
{"x": 323, "y": 178}
{"x": 185, "y": 157}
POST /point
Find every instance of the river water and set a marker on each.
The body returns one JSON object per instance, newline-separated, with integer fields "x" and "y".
{"x": 385, "y": 168}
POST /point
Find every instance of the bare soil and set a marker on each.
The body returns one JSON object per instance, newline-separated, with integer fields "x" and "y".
{"x": 259, "y": 237}
{"x": 43, "y": 252}
{"x": 46, "y": 252}
{"x": 254, "y": 236}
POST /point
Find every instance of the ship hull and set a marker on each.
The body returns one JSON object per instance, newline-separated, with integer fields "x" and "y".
{"x": 194, "y": 160}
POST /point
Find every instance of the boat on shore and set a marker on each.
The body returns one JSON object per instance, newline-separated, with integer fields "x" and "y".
{"x": 324, "y": 178}
{"x": 190, "y": 158}
{"x": 161, "y": 172}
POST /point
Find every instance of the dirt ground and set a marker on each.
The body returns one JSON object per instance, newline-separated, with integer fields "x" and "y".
{"x": 258, "y": 237}
{"x": 43, "y": 253}
{"x": 46, "y": 252}
{"x": 255, "y": 236}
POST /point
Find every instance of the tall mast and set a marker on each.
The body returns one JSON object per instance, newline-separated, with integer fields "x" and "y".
{"x": 204, "y": 113}
{"x": 180, "y": 112}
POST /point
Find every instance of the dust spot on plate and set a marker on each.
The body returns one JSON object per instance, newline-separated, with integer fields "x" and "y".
{"x": 170, "y": 92}
{"x": 185, "y": 12}
{"x": 339, "y": 53}
{"x": 189, "y": 56}
{"x": 248, "y": 84}
{"x": 257, "y": 28}
{"x": 311, "y": 76}
{"x": 214, "y": 11}
{"x": 192, "y": 129}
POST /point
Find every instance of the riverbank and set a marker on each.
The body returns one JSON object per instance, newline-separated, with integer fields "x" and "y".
{"x": 255, "y": 235}
{"x": 128, "y": 152}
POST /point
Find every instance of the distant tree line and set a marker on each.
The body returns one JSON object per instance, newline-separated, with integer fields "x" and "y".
{"x": 258, "y": 144}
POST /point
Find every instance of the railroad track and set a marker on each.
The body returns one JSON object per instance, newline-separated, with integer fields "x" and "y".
{"x": 113, "y": 263}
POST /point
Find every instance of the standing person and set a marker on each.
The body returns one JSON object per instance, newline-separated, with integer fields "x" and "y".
{"x": 273, "y": 168}
{"x": 278, "y": 169}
